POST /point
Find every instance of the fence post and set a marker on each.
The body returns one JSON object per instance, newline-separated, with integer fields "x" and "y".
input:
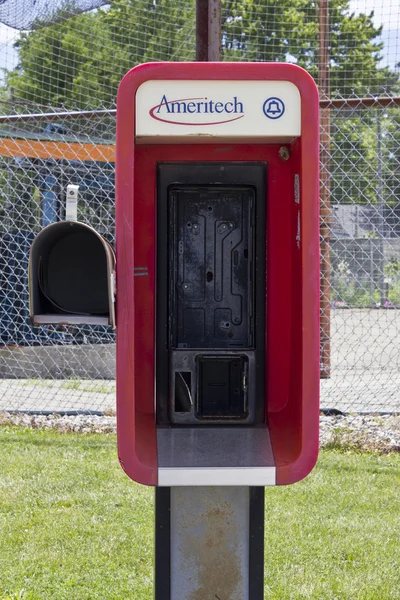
{"x": 381, "y": 216}
{"x": 208, "y": 30}
{"x": 325, "y": 207}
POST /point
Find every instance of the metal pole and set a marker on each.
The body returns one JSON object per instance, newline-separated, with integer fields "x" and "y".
{"x": 325, "y": 206}
{"x": 49, "y": 204}
{"x": 214, "y": 30}
{"x": 381, "y": 217}
{"x": 208, "y": 30}
{"x": 209, "y": 543}
{"x": 372, "y": 272}
{"x": 202, "y": 30}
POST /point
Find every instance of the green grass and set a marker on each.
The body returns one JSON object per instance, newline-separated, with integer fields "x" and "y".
{"x": 72, "y": 525}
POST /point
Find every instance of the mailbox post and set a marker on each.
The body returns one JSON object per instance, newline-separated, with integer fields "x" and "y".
{"x": 217, "y": 305}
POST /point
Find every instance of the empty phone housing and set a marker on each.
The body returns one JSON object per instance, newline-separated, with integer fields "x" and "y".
{"x": 211, "y": 282}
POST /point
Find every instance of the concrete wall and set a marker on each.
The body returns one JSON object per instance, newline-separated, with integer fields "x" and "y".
{"x": 89, "y": 361}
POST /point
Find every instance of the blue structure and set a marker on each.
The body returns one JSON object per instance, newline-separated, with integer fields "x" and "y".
{"x": 50, "y": 201}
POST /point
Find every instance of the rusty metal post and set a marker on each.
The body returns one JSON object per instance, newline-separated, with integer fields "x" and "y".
{"x": 210, "y": 543}
{"x": 325, "y": 204}
{"x": 214, "y": 30}
{"x": 208, "y": 30}
{"x": 202, "y": 30}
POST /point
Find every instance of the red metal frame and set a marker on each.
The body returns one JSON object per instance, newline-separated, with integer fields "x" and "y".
{"x": 292, "y": 369}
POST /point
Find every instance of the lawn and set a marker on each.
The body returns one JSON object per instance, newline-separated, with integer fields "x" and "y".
{"x": 72, "y": 525}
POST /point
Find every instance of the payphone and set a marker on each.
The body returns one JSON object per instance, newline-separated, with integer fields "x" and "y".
{"x": 218, "y": 274}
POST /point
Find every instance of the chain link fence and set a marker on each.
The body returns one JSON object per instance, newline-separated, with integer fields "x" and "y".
{"x": 68, "y": 60}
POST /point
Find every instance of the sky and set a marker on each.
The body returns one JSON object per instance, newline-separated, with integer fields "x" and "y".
{"x": 386, "y": 13}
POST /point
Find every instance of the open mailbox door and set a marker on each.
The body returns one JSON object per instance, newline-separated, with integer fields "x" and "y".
{"x": 71, "y": 276}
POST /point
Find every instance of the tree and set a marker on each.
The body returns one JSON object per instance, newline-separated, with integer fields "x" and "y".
{"x": 54, "y": 60}
{"x": 288, "y": 31}
{"x": 353, "y": 161}
{"x": 79, "y": 62}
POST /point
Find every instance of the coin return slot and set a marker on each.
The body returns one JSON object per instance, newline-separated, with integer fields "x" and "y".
{"x": 183, "y": 391}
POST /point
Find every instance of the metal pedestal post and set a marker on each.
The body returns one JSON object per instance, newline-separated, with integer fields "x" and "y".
{"x": 209, "y": 543}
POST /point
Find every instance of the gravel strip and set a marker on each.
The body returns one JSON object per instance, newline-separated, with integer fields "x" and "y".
{"x": 365, "y": 432}
{"x": 62, "y": 423}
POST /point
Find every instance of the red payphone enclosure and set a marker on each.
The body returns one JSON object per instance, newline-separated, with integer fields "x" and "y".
{"x": 222, "y": 113}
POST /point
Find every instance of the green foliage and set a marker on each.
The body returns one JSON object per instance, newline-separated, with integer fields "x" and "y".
{"x": 19, "y": 198}
{"x": 391, "y": 147}
{"x": 353, "y": 158}
{"x": 353, "y": 295}
{"x": 79, "y": 62}
{"x": 52, "y": 60}
{"x": 392, "y": 269}
{"x": 266, "y": 30}
{"x": 347, "y": 290}
{"x": 356, "y": 53}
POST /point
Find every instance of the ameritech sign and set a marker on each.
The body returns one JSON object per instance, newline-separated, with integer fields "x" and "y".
{"x": 228, "y": 109}
{"x": 167, "y": 110}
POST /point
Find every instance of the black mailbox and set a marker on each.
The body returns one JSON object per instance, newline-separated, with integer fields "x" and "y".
{"x": 71, "y": 276}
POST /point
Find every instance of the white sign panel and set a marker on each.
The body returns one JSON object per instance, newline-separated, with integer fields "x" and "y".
{"x": 223, "y": 109}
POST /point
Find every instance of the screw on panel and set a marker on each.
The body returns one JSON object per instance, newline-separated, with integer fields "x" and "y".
{"x": 284, "y": 153}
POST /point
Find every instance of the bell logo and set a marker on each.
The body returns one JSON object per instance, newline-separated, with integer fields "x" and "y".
{"x": 273, "y": 108}
{"x": 197, "y": 111}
